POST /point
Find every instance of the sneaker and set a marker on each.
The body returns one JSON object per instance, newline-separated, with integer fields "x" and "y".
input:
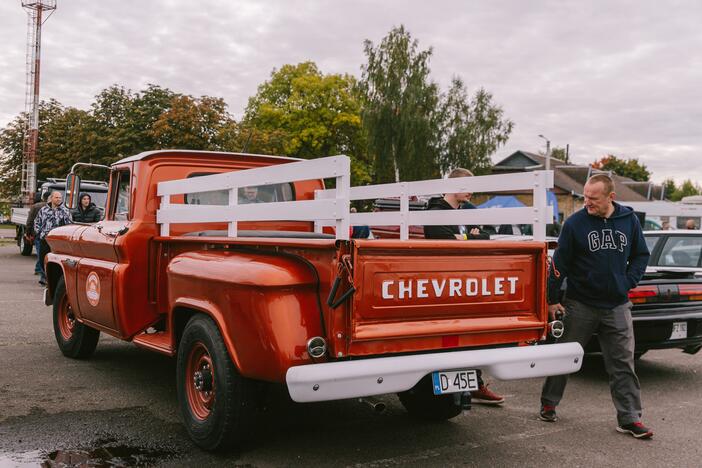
{"x": 42, "y": 281}
{"x": 484, "y": 396}
{"x": 548, "y": 413}
{"x": 636, "y": 429}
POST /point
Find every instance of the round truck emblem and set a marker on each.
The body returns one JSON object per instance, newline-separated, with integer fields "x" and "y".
{"x": 92, "y": 289}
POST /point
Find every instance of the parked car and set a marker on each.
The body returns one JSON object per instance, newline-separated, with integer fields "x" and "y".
{"x": 667, "y": 303}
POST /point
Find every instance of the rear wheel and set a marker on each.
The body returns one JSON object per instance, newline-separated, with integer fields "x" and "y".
{"x": 75, "y": 340}
{"x": 25, "y": 247}
{"x": 420, "y": 402}
{"x": 216, "y": 402}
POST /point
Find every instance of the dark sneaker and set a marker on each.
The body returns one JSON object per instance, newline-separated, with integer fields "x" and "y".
{"x": 484, "y": 396}
{"x": 42, "y": 281}
{"x": 636, "y": 429}
{"x": 548, "y": 413}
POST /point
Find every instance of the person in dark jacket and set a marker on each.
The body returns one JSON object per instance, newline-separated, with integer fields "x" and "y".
{"x": 29, "y": 229}
{"x": 602, "y": 252}
{"x": 453, "y": 201}
{"x": 86, "y": 212}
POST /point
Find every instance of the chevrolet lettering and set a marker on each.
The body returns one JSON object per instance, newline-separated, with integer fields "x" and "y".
{"x": 448, "y": 287}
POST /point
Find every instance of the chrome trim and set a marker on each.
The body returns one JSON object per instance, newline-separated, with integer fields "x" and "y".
{"x": 654, "y": 318}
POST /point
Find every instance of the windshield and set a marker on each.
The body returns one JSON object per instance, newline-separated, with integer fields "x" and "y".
{"x": 99, "y": 198}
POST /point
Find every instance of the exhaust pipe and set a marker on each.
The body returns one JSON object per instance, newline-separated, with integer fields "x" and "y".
{"x": 556, "y": 328}
{"x": 376, "y": 405}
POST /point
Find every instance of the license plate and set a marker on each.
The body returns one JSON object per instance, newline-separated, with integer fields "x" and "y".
{"x": 454, "y": 381}
{"x": 679, "y": 331}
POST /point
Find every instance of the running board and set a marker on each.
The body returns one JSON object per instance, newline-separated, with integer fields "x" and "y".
{"x": 160, "y": 342}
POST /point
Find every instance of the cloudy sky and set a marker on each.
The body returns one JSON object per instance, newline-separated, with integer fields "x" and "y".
{"x": 620, "y": 77}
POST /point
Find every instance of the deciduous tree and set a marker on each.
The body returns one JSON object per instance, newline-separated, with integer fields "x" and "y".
{"x": 631, "y": 168}
{"x": 314, "y": 114}
{"x": 400, "y": 109}
{"x": 472, "y": 129}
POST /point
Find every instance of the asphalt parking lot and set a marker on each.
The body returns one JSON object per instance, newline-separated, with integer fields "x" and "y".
{"x": 121, "y": 406}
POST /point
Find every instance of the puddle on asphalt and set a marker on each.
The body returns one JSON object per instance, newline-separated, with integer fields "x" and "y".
{"x": 102, "y": 457}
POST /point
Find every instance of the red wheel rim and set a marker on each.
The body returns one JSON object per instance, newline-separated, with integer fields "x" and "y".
{"x": 66, "y": 319}
{"x": 199, "y": 381}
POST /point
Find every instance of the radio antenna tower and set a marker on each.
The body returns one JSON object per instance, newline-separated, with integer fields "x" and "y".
{"x": 38, "y": 11}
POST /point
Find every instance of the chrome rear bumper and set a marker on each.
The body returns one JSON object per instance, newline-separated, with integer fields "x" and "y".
{"x": 376, "y": 376}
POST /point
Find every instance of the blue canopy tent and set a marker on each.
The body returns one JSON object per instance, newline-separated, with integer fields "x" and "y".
{"x": 509, "y": 201}
{"x": 502, "y": 201}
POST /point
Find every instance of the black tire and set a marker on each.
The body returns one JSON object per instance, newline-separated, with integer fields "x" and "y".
{"x": 25, "y": 247}
{"x": 75, "y": 339}
{"x": 220, "y": 412}
{"x": 421, "y": 403}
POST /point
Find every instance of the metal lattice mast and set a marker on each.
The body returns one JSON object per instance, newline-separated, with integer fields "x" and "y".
{"x": 36, "y": 15}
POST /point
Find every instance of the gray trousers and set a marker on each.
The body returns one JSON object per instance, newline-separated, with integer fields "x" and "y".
{"x": 616, "y": 335}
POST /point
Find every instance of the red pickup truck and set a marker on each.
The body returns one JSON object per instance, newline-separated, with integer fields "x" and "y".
{"x": 213, "y": 258}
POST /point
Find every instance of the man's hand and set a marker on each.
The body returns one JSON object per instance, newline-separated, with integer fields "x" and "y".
{"x": 475, "y": 232}
{"x": 553, "y": 309}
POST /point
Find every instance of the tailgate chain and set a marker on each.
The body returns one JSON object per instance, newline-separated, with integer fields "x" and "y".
{"x": 344, "y": 264}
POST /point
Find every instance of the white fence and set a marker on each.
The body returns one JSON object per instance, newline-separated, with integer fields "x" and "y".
{"x": 538, "y": 215}
{"x": 331, "y": 207}
{"x": 673, "y": 210}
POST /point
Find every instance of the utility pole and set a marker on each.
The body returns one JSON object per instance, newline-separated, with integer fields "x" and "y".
{"x": 36, "y": 16}
{"x": 548, "y": 152}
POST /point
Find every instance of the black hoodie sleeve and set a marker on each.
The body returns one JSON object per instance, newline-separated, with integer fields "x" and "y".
{"x": 558, "y": 269}
{"x": 439, "y": 232}
{"x": 638, "y": 257}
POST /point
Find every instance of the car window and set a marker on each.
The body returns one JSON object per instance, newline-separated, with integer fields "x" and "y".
{"x": 259, "y": 194}
{"x": 651, "y": 242}
{"x": 99, "y": 198}
{"x": 681, "y": 251}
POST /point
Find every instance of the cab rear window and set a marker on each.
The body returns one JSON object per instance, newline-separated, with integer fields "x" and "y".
{"x": 253, "y": 194}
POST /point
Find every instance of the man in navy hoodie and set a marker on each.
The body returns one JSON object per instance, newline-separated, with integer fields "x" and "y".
{"x": 602, "y": 252}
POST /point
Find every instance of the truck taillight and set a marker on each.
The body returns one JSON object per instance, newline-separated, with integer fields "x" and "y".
{"x": 643, "y": 294}
{"x": 691, "y": 292}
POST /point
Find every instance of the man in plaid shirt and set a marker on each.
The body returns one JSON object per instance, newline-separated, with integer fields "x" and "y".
{"x": 53, "y": 215}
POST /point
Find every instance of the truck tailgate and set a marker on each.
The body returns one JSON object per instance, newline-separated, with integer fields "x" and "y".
{"x": 417, "y": 295}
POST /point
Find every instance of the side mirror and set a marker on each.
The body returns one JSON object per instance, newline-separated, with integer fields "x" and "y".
{"x": 72, "y": 190}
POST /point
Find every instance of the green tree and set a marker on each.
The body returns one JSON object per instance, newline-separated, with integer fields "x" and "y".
{"x": 11, "y": 146}
{"x": 676, "y": 193}
{"x": 312, "y": 113}
{"x": 190, "y": 123}
{"x": 631, "y": 168}
{"x": 472, "y": 129}
{"x": 119, "y": 123}
{"x": 400, "y": 109}
{"x": 560, "y": 154}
